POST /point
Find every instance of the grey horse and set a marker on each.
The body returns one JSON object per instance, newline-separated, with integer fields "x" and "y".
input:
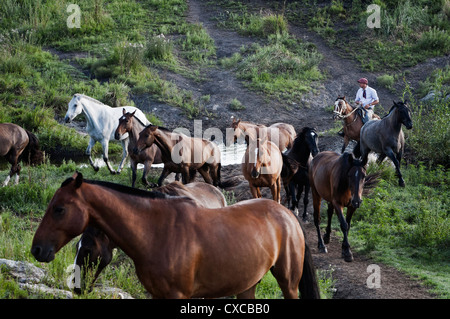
{"x": 385, "y": 137}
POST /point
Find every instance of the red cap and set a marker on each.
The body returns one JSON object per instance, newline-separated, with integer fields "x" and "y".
{"x": 363, "y": 80}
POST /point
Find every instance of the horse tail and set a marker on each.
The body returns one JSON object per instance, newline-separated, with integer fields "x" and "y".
{"x": 32, "y": 152}
{"x": 309, "y": 285}
{"x": 370, "y": 182}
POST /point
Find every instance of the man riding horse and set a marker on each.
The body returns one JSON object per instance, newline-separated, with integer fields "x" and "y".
{"x": 366, "y": 97}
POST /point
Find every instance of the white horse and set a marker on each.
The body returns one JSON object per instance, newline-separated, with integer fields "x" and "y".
{"x": 102, "y": 121}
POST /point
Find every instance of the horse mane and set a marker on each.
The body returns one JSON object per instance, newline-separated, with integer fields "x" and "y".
{"x": 121, "y": 188}
{"x": 159, "y": 128}
{"x": 89, "y": 98}
{"x": 32, "y": 152}
{"x": 345, "y": 166}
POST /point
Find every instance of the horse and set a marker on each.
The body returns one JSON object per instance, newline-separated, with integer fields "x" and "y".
{"x": 295, "y": 168}
{"x": 182, "y": 154}
{"x": 101, "y": 122}
{"x": 339, "y": 179}
{"x": 281, "y": 134}
{"x": 95, "y": 249}
{"x": 130, "y": 124}
{"x": 178, "y": 246}
{"x": 261, "y": 166}
{"x": 386, "y": 138}
{"x": 352, "y": 120}
{"x": 18, "y": 144}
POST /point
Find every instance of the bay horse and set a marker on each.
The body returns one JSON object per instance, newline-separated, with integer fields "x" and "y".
{"x": 295, "y": 168}
{"x": 132, "y": 125}
{"x": 182, "y": 154}
{"x": 281, "y": 134}
{"x": 95, "y": 249}
{"x": 178, "y": 246}
{"x": 261, "y": 166}
{"x": 101, "y": 123}
{"x": 352, "y": 120}
{"x": 18, "y": 144}
{"x": 386, "y": 137}
{"x": 339, "y": 179}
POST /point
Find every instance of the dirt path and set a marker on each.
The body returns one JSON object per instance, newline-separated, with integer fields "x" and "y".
{"x": 222, "y": 85}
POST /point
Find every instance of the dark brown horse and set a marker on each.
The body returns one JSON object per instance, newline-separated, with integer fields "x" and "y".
{"x": 352, "y": 120}
{"x": 18, "y": 144}
{"x": 339, "y": 179}
{"x": 261, "y": 167}
{"x": 130, "y": 124}
{"x": 182, "y": 154}
{"x": 95, "y": 249}
{"x": 180, "y": 249}
{"x": 295, "y": 168}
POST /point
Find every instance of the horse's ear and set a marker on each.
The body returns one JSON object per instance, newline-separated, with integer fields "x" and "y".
{"x": 124, "y": 111}
{"x": 153, "y": 128}
{"x": 343, "y": 97}
{"x": 133, "y": 112}
{"x": 238, "y": 121}
{"x": 78, "y": 177}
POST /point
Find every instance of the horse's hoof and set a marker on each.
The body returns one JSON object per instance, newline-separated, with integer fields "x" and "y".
{"x": 401, "y": 183}
{"x": 323, "y": 250}
{"x": 96, "y": 168}
{"x": 348, "y": 256}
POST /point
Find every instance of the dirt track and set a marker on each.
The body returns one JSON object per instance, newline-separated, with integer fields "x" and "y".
{"x": 342, "y": 73}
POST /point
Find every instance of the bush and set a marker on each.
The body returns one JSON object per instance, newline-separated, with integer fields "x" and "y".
{"x": 159, "y": 48}
{"x": 386, "y": 81}
{"x": 435, "y": 40}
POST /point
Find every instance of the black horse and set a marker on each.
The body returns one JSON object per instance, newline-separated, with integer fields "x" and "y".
{"x": 295, "y": 168}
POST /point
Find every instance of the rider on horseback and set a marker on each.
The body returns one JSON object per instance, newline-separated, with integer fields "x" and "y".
{"x": 367, "y": 97}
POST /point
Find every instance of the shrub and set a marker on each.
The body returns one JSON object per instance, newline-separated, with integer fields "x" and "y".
{"x": 435, "y": 40}
{"x": 385, "y": 80}
{"x": 159, "y": 48}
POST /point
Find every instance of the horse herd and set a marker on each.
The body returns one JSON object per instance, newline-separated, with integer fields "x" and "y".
{"x": 183, "y": 238}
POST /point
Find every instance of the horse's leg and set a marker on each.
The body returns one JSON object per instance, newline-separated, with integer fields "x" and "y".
{"x": 350, "y": 211}
{"x": 164, "y": 174}
{"x": 133, "y": 165}
{"x": 381, "y": 158}
{"x": 254, "y": 191}
{"x": 147, "y": 166}
{"x": 294, "y": 203}
{"x": 279, "y": 189}
{"x": 88, "y": 153}
{"x": 205, "y": 174}
{"x": 326, "y": 237}
{"x": 316, "y": 204}
{"x": 346, "y": 253}
{"x": 124, "y": 154}
{"x": 248, "y": 294}
{"x": 390, "y": 153}
{"x": 274, "y": 191}
{"x": 214, "y": 174}
{"x": 258, "y": 190}
{"x": 105, "y": 146}
{"x": 306, "y": 201}
{"x": 346, "y": 141}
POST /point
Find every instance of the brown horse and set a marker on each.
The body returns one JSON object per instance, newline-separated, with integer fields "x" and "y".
{"x": 282, "y": 134}
{"x": 261, "y": 167}
{"x": 130, "y": 124}
{"x": 95, "y": 249}
{"x": 182, "y": 154}
{"x": 180, "y": 249}
{"x": 351, "y": 118}
{"x": 18, "y": 144}
{"x": 339, "y": 179}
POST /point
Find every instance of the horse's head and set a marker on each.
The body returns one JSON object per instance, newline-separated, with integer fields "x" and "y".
{"x": 340, "y": 107}
{"x": 146, "y": 138}
{"x": 237, "y": 131}
{"x": 125, "y": 124}
{"x": 94, "y": 251}
{"x": 74, "y": 108}
{"x": 404, "y": 114}
{"x": 311, "y": 139}
{"x": 356, "y": 176}
{"x": 65, "y": 218}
